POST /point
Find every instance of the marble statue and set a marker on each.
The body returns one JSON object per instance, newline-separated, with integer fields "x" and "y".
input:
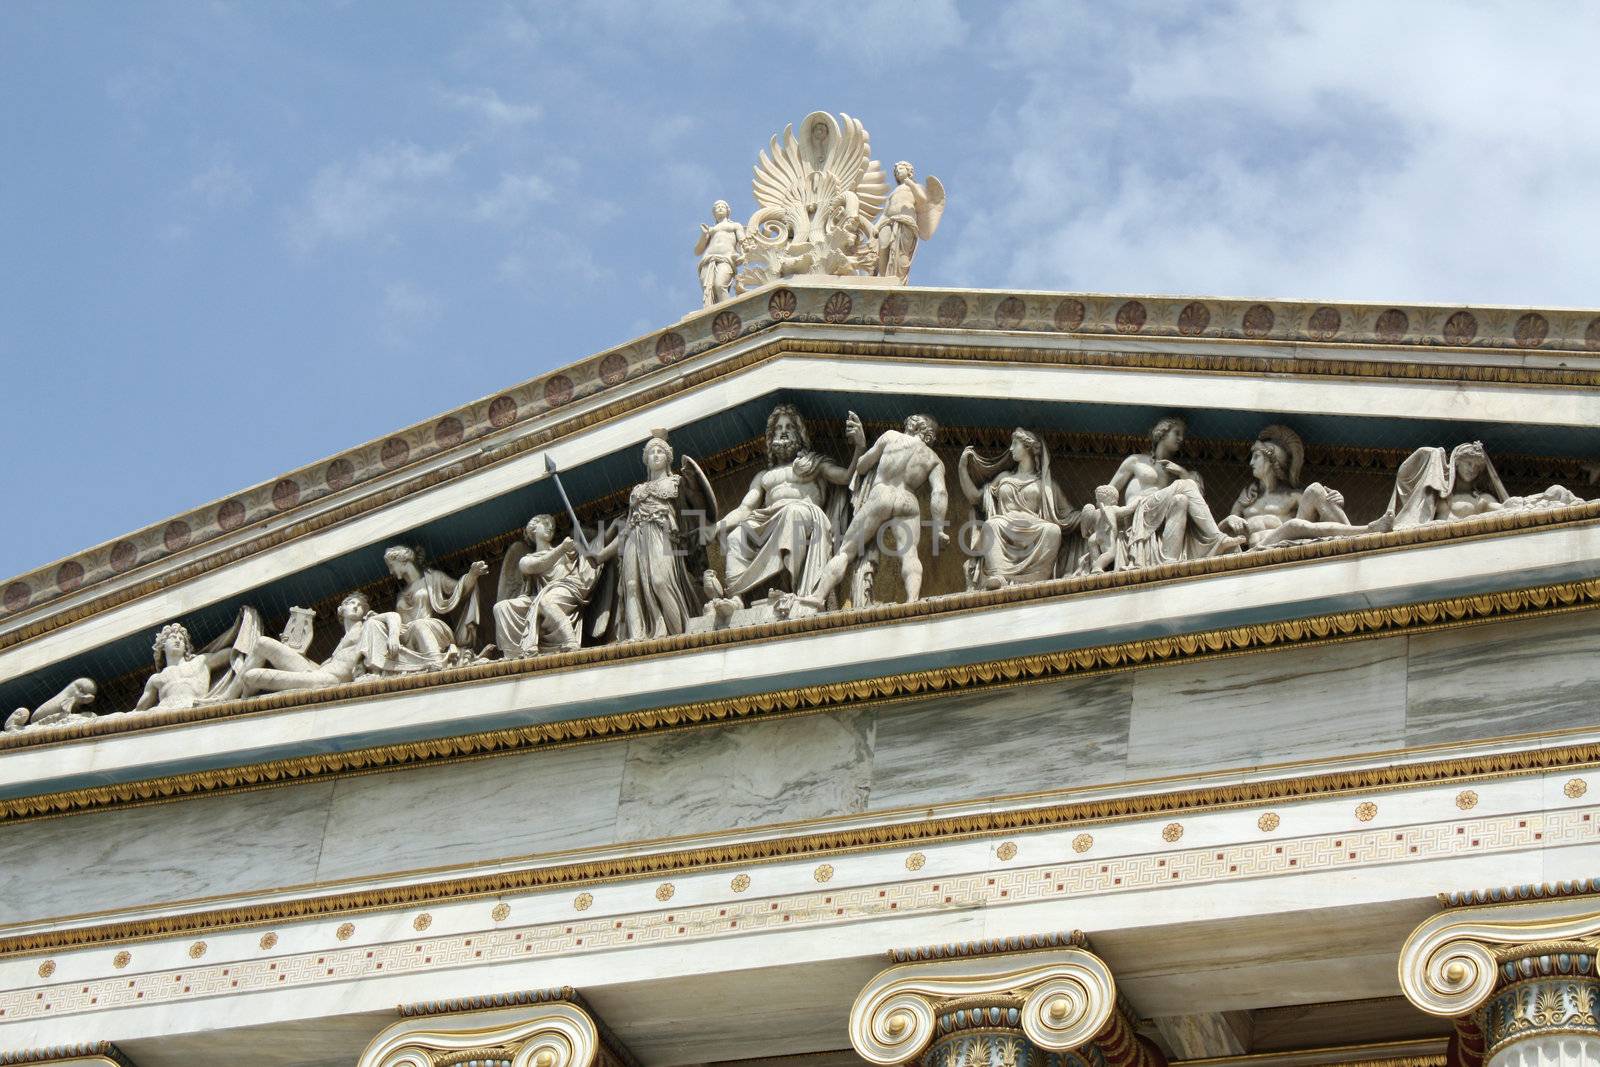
{"x": 547, "y": 616}
{"x": 912, "y": 213}
{"x": 782, "y": 534}
{"x": 276, "y": 666}
{"x": 1102, "y": 524}
{"x": 183, "y": 677}
{"x": 721, "y": 251}
{"x": 650, "y": 592}
{"x": 1274, "y": 510}
{"x": 886, "y": 478}
{"x": 1170, "y": 520}
{"x": 818, "y": 194}
{"x": 60, "y": 710}
{"x": 1431, "y": 487}
{"x": 421, "y": 637}
{"x": 1020, "y": 511}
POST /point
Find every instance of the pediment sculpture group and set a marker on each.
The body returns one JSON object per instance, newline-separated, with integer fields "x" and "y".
{"x": 807, "y": 536}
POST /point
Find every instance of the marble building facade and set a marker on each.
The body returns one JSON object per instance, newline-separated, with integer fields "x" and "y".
{"x": 1239, "y": 709}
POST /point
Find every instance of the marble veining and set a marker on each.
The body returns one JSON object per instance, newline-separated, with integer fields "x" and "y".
{"x": 805, "y": 767}
{"x": 1505, "y": 678}
{"x": 161, "y": 853}
{"x": 1268, "y": 707}
{"x": 477, "y": 810}
{"x": 1020, "y": 740}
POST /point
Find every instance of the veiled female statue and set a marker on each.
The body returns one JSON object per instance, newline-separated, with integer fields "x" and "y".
{"x": 1021, "y": 510}
{"x": 652, "y": 593}
{"x": 1169, "y": 520}
{"x": 1429, "y": 487}
{"x": 424, "y": 639}
{"x": 1273, "y": 509}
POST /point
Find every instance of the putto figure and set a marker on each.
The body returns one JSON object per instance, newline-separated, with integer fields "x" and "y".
{"x": 888, "y": 476}
{"x": 912, "y": 213}
{"x": 424, "y": 639}
{"x": 547, "y": 617}
{"x": 1021, "y": 511}
{"x": 1274, "y": 510}
{"x": 1170, "y": 521}
{"x": 1429, "y": 487}
{"x": 59, "y": 710}
{"x": 784, "y": 531}
{"x": 721, "y": 251}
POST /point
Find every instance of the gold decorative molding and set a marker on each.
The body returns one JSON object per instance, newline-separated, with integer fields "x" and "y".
{"x": 1422, "y": 617}
{"x": 1472, "y": 898}
{"x": 1450, "y": 965}
{"x": 90, "y": 1054}
{"x": 990, "y": 947}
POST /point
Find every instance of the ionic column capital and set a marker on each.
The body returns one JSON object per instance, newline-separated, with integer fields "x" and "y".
{"x": 550, "y": 1029}
{"x": 1058, "y": 999}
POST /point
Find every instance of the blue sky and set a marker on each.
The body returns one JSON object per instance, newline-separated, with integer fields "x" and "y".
{"x": 239, "y": 237}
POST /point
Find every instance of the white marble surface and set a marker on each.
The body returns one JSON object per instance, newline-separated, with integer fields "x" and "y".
{"x": 1504, "y": 678}
{"x": 746, "y": 775}
{"x": 1021, "y": 740}
{"x": 477, "y": 810}
{"x": 166, "y": 852}
{"x": 1268, "y": 707}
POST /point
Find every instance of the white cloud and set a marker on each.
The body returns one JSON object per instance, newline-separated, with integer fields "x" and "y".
{"x": 488, "y": 105}
{"x": 352, "y": 199}
{"x": 221, "y": 185}
{"x": 405, "y": 311}
{"x": 513, "y": 200}
{"x": 1424, "y": 151}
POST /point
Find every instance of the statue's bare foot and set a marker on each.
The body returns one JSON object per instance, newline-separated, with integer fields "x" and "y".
{"x": 1382, "y": 524}
{"x": 1229, "y": 544}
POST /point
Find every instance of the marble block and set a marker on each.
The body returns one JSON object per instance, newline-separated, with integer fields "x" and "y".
{"x": 1021, "y": 740}
{"x": 1503, "y": 678}
{"x": 753, "y": 774}
{"x": 166, "y": 852}
{"x": 1268, "y": 707}
{"x": 485, "y": 809}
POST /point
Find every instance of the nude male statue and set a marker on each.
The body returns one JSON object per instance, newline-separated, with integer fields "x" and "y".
{"x": 890, "y": 473}
{"x": 292, "y": 670}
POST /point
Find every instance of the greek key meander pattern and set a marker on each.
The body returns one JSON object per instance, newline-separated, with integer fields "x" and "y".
{"x": 735, "y": 917}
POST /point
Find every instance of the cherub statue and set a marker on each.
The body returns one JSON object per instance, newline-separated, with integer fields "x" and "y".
{"x": 1274, "y": 510}
{"x": 887, "y": 477}
{"x": 59, "y": 710}
{"x": 782, "y": 534}
{"x": 912, "y": 213}
{"x": 1102, "y": 526}
{"x": 547, "y": 617}
{"x": 721, "y": 251}
{"x": 424, "y": 640}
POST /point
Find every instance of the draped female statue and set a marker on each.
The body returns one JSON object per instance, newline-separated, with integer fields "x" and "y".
{"x": 1429, "y": 487}
{"x": 1021, "y": 510}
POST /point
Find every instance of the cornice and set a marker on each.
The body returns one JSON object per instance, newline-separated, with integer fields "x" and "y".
{"x": 528, "y": 415}
{"x": 818, "y": 841}
{"x": 1554, "y": 597}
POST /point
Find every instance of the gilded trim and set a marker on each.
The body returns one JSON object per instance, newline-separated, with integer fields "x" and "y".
{"x": 88, "y": 1054}
{"x": 472, "y": 456}
{"x": 995, "y": 674}
{"x": 990, "y": 947}
{"x": 823, "y": 843}
{"x": 1473, "y": 898}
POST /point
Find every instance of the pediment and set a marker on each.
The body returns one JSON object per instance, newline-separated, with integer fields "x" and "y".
{"x": 1364, "y": 386}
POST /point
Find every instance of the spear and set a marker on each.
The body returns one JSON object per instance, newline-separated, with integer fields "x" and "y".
{"x": 577, "y": 527}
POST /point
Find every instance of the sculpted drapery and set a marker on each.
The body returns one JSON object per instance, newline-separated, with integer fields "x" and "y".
{"x": 1021, "y": 511}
